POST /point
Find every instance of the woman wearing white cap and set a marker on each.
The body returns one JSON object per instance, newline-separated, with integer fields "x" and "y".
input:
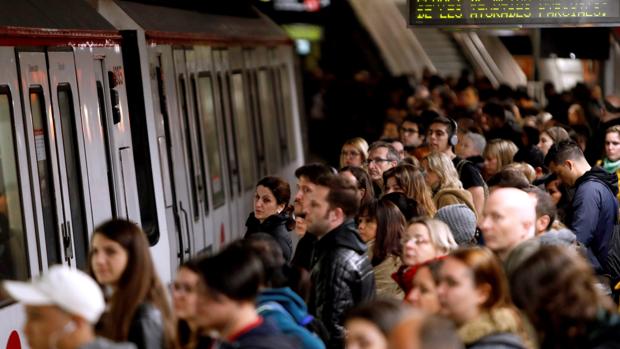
{"x": 137, "y": 309}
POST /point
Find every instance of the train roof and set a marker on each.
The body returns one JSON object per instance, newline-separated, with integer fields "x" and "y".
{"x": 48, "y": 22}
{"x": 173, "y": 25}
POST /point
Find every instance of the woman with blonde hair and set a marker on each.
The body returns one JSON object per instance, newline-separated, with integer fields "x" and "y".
{"x": 354, "y": 152}
{"x": 424, "y": 240}
{"x": 611, "y": 161}
{"x": 473, "y": 292}
{"x": 409, "y": 180}
{"x": 443, "y": 179}
{"x": 497, "y": 154}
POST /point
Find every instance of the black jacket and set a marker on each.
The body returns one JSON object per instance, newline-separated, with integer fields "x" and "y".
{"x": 147, "y": 329}
{"x": 594, "y": 214}
{"x": 342, "y": 278}
{"x": 264, "y": 336}
{"x": 275, "y": 226}
{"x": 304, "y": 251}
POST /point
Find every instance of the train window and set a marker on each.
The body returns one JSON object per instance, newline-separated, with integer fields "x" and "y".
{"x": 269, "y": 120}
{"x": 286, "y": 89}
{"x": 282, "y": 117}
{"x": 13, "y": 251}
{"x": 44, "y": 169}
{"x": 207, "y": 104}
{"x": 200, "y": 144}
{"x": 244, "y": 131}
{"x": 70, "y": 134}
{"x": 189, "y": 148}
{"x": 108, "y": 146}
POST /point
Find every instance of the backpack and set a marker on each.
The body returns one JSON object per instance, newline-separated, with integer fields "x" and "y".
{"x": 459, "y": 169}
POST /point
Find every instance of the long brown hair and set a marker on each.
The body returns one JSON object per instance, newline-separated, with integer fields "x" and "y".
{"x": 390, "y": 227}
{"x": 138, "y": 284}
{"x": 411, "y": 179}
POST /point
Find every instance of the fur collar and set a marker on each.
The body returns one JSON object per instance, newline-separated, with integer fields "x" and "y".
{"x": 496, "y": 321}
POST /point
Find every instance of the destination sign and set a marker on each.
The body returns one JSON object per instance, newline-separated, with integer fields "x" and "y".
{"x": 527, "y": 13}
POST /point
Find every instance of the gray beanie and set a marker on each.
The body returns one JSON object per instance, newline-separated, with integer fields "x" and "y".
{"x": 461, "y": 220}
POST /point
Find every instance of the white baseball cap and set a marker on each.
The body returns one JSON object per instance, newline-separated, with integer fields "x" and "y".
{"x": 70, "y": 289}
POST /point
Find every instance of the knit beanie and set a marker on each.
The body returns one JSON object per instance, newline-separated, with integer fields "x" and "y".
{"x": 461, "y": 220}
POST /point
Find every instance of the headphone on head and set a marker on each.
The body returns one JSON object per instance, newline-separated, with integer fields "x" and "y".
{"x": 454, "y": 138}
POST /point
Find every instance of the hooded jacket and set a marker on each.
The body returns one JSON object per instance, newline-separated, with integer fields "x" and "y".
{"x": 264, "y": 335}
{"x": 274, "y": 225}
{"x": 289, "y": 313}
{"x": 498, "y": 329}
{"x": 595, "y": 211}
{"x": 452, "y": 196}
{"x": 342, "y": 277}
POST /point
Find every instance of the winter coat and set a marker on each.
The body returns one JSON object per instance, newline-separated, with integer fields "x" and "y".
{"x": 452, "y": 196}
{"x": 274, "y": 225}
{"x": 147, "y": 328}
{"x": 602, "y": 333}
{"x": 594, "y": 215}
{"x": 264, "y": 335}
{"x": 289, "y": 313}
{"x": 385, "y": 285}
{"x": 342, "y": 278}
{"x": 498, "y": 329}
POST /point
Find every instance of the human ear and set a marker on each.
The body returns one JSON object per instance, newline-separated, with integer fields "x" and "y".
{"x": 483, "y": 293}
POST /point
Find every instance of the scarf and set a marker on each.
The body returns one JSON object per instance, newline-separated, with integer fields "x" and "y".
{"x": 611, "y": 167}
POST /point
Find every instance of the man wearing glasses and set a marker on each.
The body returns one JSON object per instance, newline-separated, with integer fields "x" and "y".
{"x": 411, "y": 134}
{"x": 381, "y": 157}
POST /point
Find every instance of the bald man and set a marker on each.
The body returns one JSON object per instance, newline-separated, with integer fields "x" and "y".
{"x": 508, "y": 218}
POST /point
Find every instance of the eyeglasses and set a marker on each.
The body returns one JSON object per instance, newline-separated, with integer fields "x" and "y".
{"x": 416, "y": 240}
{"x": 350, "y": 153}
{"x": 376, "y": 160}
{"x": 408, "y": 130}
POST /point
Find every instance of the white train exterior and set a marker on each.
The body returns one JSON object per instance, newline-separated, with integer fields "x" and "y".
{"x": 164, "y": 116}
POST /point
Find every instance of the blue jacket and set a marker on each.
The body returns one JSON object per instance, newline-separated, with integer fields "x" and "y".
{"x": 289, "y": 313}
{"x": 595, "y": 211}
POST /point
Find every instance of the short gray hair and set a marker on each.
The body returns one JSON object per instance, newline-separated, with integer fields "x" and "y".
{"x": 478, "y": 140}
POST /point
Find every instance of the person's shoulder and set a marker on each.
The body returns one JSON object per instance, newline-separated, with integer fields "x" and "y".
{"x": 104, "y": 343}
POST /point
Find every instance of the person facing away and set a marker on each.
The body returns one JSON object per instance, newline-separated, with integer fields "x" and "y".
{"x": 341, "y": 272}
{"x": 594, "y": 206}
{"x": 62, "y": 307}
{"x": 271, "y": 213}
{"x": 227, "y": 291}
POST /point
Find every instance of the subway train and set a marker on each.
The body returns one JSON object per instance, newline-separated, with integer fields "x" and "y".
{"x": 165, "y": 116}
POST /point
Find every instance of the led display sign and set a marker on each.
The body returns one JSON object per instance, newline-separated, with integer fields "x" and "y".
{"x": 526, "y": 13}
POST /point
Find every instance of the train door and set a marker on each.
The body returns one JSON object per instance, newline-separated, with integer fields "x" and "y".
{"x": 192, "y": 151}
{"x": 44, "y": 127}
{"x": 169, "y": 146}
{"x": 251, "y": 63}
{"x": 237, "y": 218}
{"x": 243, "y": 130}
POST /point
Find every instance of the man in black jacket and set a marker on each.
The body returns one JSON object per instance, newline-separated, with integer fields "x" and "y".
{"x": 341, "y": 272}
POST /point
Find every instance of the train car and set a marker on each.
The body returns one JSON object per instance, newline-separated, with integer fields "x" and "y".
{"x": 162, "y": 115}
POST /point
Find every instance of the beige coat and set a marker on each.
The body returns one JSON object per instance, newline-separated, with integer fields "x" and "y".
{"x": 386, "y": 287}
{"x": 452, "y": 196}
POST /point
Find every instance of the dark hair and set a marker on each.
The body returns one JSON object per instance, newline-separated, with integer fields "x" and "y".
{"x": 562, "y": 151}
{"x": 342, "y": 194}
{"x": 138, "y": 284}
{"x": 363, "y": 181}
{"x": 235, "y": 272}
{"x": 392, "y": 153}
{"x": 544, "y": 204}
{"x": 313, "y": 171}
{"x": 415, "y": 120}
{"x": 280, "y": 189}
{"x": 451, "y": 124}
{"x": 383, "y": 313}
{"x": 531, "y": 155}
{"x": 270, "y": 254}
{"x": 409, "y": 208}
{"x": 509, "y": 178}
{"x": 494, "y": 110}
{"x": 532, "y": 134}
{"x": 390, "y": 227}
{"x": 556, "y": 289}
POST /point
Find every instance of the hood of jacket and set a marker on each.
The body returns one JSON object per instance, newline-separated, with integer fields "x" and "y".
{"x": 461, "y": 194}
{"x": 598, "y": 174}
{"x": 345, "y": 235}
{"x": 494, "y": 322}
{"x": 289, "y": 300}
{"x": 270, "y": 224}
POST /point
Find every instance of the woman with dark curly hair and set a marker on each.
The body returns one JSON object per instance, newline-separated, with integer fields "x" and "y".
{"x": 556, "y": 289}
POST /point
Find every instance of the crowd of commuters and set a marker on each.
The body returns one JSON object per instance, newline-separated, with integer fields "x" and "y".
{"x": 478, "y": 220}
